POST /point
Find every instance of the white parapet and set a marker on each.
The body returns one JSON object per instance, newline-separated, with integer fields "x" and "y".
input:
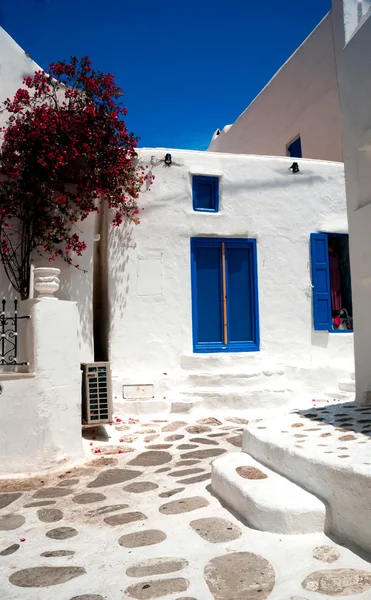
{"x": 41, "y": 415}
{"x": 326, "y": 451}
{"x": 264, "y": 499}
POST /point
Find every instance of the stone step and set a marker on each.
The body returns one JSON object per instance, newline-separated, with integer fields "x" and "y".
{"x": 347, "y": 385}
{"x": 343, "y": 483}
{"x": 141, "y": 407}
{"x": 255, "y": 397}
{"x": 339, "y": 395}
{"x": 263, "y": 499}
{"x": 236, "y": 379}
{"x": 224, "y": 362}
{"x": 184, "y": 405}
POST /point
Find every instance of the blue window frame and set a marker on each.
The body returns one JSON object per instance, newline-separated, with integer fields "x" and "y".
{"x": 205, "y": 192}
{"x": 294, "y": 148}
{"x": 225, "y": 315}
{"x": 327, "y": 288}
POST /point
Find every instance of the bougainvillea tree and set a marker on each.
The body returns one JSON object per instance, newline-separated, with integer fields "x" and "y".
{"x": 65, "y": 148}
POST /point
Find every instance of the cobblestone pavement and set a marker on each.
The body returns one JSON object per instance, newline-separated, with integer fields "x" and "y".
{"x": 139, "y": 521}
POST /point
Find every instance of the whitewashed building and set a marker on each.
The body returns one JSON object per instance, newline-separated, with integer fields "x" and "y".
{"x": 355, "y": 85}
{"x": 298, "y": 113}
{"x": 223, "y": 295}
{"x": 234, "y": 291}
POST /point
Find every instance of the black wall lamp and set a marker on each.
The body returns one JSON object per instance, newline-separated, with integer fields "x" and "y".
{"x": 295, "y": 167}
{"x": 168, "y": 160}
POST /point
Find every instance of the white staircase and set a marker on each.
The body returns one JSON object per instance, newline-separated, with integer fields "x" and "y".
{"x": 264, "y": 499}
{"x": 346, "y": 389}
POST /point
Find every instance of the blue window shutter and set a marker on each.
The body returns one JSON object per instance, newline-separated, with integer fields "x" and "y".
{"x": 208, "y": 300}
{"x": 322, "y": 316}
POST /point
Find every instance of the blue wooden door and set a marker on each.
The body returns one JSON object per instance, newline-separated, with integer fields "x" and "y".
{"x": 224, "y": 295}
{"x": 322, "y": 316}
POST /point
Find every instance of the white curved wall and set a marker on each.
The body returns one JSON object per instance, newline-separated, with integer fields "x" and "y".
{"x": 355, "y": 81}
{"x": 151, "y": 321}
{"x": 302, "y": 98}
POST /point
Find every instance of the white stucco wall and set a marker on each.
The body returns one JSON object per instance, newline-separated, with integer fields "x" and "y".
{"x": 149, "y": 265}
{"x": 355, "y": 82}
{"x": 302, "y": 98}
{"x": 40, "y": 413}
{"x": 14, "y": 66}
{"x": 75, "y": 285}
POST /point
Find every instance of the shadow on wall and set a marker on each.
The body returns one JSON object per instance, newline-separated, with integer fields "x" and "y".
{"x": 287, "y": 179}
{"x": 6, "y": 289}
{"x": 121, "y": 243}
{"x": 76, "y": 286}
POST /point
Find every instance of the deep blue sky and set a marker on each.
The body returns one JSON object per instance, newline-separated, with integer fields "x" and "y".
{"x": 186, "y": 67}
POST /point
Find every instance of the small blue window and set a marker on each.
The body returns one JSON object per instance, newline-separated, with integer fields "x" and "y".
{"x": 294, "y": 148}
{"x": 205, "y": 193}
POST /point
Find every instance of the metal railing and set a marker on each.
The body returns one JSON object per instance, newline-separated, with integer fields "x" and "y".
{"x": 9, "y": 336}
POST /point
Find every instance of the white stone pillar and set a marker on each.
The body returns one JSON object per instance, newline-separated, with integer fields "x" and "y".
{"x": 40, "y": 415}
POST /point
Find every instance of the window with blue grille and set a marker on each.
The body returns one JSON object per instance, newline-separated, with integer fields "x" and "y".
{"x": 205, "y": 193}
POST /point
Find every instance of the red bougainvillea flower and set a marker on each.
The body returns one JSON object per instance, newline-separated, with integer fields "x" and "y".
{"x": 65, "y": 149}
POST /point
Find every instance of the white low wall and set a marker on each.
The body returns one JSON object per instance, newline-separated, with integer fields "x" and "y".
{"x": 345, "y": 488}
{"x": 260, "y": 198}
{"x": 40, "y": 412}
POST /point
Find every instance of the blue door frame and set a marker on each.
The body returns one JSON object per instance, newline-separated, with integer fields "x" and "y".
{"x": 250, "y": 320}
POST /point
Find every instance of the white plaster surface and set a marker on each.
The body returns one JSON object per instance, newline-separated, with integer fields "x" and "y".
{"x": 150, "y": 340}
{"x": 76, "y": 285}
{"x": 301, "y": 99}
{"x": 40, "y": 413}
{"x": 273, "y": 504}
{"x": 355, "y": 85}
{"x": 327, "y": 451}
{"x": 15, "y": 64}
{"x": 96, "y": 544}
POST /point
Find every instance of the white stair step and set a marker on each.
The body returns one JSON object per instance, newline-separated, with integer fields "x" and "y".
{"x": 185, "y": 405}
{"x": 141, "y": 407}
{"x": 220, "y": 398}
{"x": 347, "y": 385}
{"x": 272, "y": 504}
{"x": 244, "y": 380}
{"x": 339, "y": 395}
